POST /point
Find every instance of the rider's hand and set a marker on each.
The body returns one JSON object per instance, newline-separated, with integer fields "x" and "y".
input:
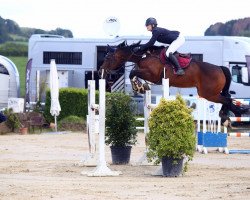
{"x": 136, "y": 49}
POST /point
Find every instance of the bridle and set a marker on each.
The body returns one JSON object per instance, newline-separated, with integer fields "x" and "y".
{"x": 110, "y": 57}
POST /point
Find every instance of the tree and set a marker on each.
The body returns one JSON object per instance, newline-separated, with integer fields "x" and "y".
{"x": 240, "y": 27}
{"x": 10, "y": 30}
{"x": 3, "y": 31}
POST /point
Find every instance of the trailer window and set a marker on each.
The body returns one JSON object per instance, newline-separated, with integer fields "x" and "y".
{"x": 236, "y": 74}
{"x": 3, "y": 70}
{"x": 197, "y": 57}
{"x": 67, "y": 58}
{"x": 101, "y": 53}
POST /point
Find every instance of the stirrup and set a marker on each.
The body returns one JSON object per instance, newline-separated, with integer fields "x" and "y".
{"x": 180, "y": 72}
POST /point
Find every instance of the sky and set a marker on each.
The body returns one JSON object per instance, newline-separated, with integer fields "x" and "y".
{"x": 85, "y": 18}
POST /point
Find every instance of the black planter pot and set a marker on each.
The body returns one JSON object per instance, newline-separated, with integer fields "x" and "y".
{"x": 120, "y": 155}
{"x": 172, "y": 167}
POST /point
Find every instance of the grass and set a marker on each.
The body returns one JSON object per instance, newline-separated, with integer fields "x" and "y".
{"x": 20, "y": 63}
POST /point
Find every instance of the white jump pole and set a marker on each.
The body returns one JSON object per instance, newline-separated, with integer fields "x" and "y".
{"x": 146, "y": 109}
{"x": 165, "y": 88}
{"x": 198, "y": 115}
{"x": 92, "y": 117}
{"x": 198, "y": 125}
{"x": 102, "y": 169}
{"x": 38, "y": 85}
{"x": 91, "y": 157}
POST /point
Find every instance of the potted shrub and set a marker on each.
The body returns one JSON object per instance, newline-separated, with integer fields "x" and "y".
{"x": 13, "y": 121}
{"x": 172, "y": 136}
{"x": 120, "y": 127}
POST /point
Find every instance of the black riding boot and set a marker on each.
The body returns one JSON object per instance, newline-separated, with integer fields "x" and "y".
{"x": 173, "y": 59}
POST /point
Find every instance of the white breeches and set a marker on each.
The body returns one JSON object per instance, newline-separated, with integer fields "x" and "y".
{"x": 176, "y": 44}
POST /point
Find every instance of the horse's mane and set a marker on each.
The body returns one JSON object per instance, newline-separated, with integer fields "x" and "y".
{"x": 156, "y": 50}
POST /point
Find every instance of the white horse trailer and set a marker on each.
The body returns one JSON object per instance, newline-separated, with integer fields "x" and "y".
{"x": 77, "y": 58}
{"x": 10, "y": 83}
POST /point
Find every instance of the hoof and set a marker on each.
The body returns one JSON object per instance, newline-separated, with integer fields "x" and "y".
{"x": 146, "y": 86}
{"x": 227, "y": 123}
{"x": 180, "y": 72}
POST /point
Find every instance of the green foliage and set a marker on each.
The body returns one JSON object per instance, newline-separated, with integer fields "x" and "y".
{"x": 38, "y": 107}
{"x": 13, "y": 49}
{"x": 19, "y": 39}
{"x": 239, "y": 27}
{"x": 72, "y": 119}
{"x": 4, "y": 30}
{"x": 120, "y": 120}
{"x": 27, "y": 32}
{"x": 73, "y": 101}
{"x": 13, "y": 121}
{"x": 72, "y": 123}
{"x": 9, "y": 26}
{"x": 171, "y": 131}
{"x": 245, "y": 33}
{"x": 139, "y": 123}
{"x": 20, "y": 63}
{"x": 10, "y": 31}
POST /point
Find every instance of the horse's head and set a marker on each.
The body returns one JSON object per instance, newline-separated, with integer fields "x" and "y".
{"x": 116, "y": 58}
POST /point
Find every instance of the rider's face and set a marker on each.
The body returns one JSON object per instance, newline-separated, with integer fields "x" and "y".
{"x": 149, "y": 27}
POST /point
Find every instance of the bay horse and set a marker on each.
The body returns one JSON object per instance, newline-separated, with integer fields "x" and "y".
{"x": 212, "y": 81}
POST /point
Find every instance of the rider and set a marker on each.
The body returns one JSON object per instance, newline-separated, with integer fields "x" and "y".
{"x": 173, "y": 38}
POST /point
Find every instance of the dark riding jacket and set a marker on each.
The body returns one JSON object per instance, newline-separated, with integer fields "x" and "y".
{"x": 161, "y": 35}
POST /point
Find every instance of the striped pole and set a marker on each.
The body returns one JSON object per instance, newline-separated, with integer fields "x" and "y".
{"x": 240, "y": 119}
{"x": 239, "y": 134}
{"x": 239, "y": 151}
{"x": 240, "y": 102}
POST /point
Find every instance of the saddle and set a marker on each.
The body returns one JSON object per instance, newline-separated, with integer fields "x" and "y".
{"x": 183, "y": 59}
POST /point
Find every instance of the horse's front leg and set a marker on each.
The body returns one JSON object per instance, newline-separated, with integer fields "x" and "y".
{"x": 137, "y": 85}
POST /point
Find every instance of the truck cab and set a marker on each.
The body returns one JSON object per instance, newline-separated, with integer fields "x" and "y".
{"x": 240, "y": 84}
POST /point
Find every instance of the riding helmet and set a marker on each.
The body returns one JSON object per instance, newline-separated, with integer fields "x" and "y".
{"x": 151, "y": 21}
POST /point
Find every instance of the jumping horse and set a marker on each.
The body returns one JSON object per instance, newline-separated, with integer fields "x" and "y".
{"x": 212, "y": 82}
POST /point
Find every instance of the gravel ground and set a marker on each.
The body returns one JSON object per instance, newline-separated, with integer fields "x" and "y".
{"x": 45, "y": 166}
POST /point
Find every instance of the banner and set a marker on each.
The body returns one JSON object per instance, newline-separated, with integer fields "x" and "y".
{"x": 248, "y": 65}
{"x": 27, "y": 81}
{"x": 248, "y": 60}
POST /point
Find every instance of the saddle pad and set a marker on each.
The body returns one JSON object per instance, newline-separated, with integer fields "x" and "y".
{"x": 183, "y": 59}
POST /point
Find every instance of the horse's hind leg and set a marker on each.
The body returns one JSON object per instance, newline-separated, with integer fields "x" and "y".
{"x": 227, "y": 105}
{"x": 228, "y": 77}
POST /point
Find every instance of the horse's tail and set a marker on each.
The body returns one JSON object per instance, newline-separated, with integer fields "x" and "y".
{"x": 226, "y": 71}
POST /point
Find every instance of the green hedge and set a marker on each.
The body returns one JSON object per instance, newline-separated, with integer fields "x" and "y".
{"x": 73, "y": 101}
{"x": 13, "y": 49}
